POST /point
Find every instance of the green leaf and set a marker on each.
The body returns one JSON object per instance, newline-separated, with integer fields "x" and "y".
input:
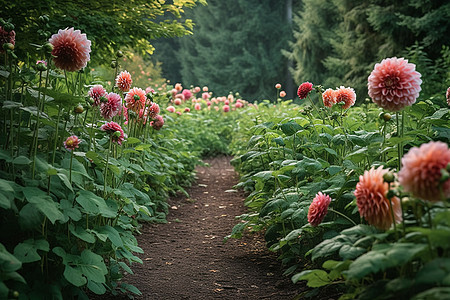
{"x": 97, "y": 288}
{"x": 434, "y": 272}
{"x": 6, "y": 194}
{"x": 93, "y": 267}
{"x": 315, "y": 278}
{"x": 65, "y": 180}
{"x": 112, "y": 234}
{"x": 43, "y": 203}
{"x": 69, "y": 210}
{"x": 74, "y": 276}
{"x": 8, "y": 262}
{"x": 290, "y": 127}
{"x": 21, "y": 160}
{"x": 94, "y": 205}
{"x": 133, "y": 140}
{"x": 82, "y": 233}
{"x": 332, "y": 170}
{"x": 436, "y": 293}
{"x": 26, "y": 251}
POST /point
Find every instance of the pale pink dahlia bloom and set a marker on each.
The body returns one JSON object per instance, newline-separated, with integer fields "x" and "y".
{"x": 135, "y": 99}
{"x": 278, "y": 86}
{"x": 187, "y": 94}
{"x": 158, "y": 123}
{"x": 206, "y": 95}
{"x": 226, "y": 108}
{"x": 96, "y": 92}
{"x": 197, "y": 106}
{"x": 111, "y": 108}
{"x": 394, "y": 84}
{"x": 177, "y": 101}
{"x": 346, "y": 95}
{"x": 329, "y": 98}
{"x": 304, "y": 89}
{"x": 170, "y": 108}
{"x": 72, "y": 142}
{"x": 372, "y": 202}
{"x": 318, "y": 209}
{"x": 124, "y": 81}
{"x": 111, "y": 128}
{"x": 178, "y": 87}
{"x": 71, "y": 49}
{"x": 239, "y": 104}
{"x": 448, "y": 96}
{"x": 421, "y": 171}
{"x": 282, "y": 94}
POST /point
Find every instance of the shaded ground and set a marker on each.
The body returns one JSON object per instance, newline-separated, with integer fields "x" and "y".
{"x": 187, "y": 259}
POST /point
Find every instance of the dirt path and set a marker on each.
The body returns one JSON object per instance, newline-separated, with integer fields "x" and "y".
{"x": 187, "y": 259}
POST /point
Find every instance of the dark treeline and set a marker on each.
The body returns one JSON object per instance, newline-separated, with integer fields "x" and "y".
{"x": 246, "y": 45}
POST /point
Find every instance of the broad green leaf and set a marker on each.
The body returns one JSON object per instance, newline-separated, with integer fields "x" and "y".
{"x": 92, "y": 266}
{"x": 436, "y": 293}
{"x": 315, "y": 278}
{"x": 133, "y": 140}
{"x": 8, "y": 262}
{"x": 94, "y": 205}
{"x": 6, "y": 194}
{"x": 69, "y": 210}
{"x": 21, "y": 160}
{"x": 26, "y": 251}
{"x": 434, "y": 272}
{"x": 112, "y": 234}
{"x": 74, "y": 275}
{"x": 290, "y": 127}
{"x": 95, "y": 287}
{"x": 44, "y": 203}
{"x": 82, "y": 233}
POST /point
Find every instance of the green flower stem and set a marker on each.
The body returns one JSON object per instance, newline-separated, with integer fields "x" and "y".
{"x": 400, "y": 143}
{"x": 342, "y": 215}
{"x": 56, "y": 135}
{"x": 106, "y": 167}
{"x": 393, "y": 218}
{"x": 67, "y": 82}
{"x": 315, "y": 107}
{"x": 36, "y": 133}
{"x": 70, "y": 170}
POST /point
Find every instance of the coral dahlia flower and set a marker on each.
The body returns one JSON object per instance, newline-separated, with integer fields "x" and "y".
{"x": 304, "y": 89}
{"x": 96, "y": 92}
{"x": 226, "y": 108}
{"x": 318, "y": 209}
{"x": 177, "y": 101}
{"x": 278, "y": 86}
{"x": 178, "y": 87}
{"x": 197, "y": 106}
{"x": 124, "y": 81}
{"x": 111, "y": 108}
{"x": 136, "y": 99}
{"x": 170, "y": 109}
{"x": 372, "y": 202}
{"x": 394, "y": 84}
{"x": 282, "y": 94}
{"x": 158, "y": 123}
{"x": 206, "y": 95}
{"x": 187, "y": 94}
{"x": 6, "y": 37}
{"x": 421, "y": 171}
{"x": 71, "y": 49}
{"x": 187, "y": 109}
{"x": 153, "y": 110}
{"x": 111, "y": 128}
{"x": 346, "y": 95}
{"x": 72, "y": 142}
{"x": 329, "y": 98}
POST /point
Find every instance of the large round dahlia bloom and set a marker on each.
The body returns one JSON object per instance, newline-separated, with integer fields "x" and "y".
{"x": 6, "y": 37}
{"x": 304, "y": 89}
{"x": 72, "y": 142}
{"x": 372, "y": 202}
{"x": 136, "y": 99}
{"x": 71, "y": 49}
{"x": 447, "y": 95}
{"x": 153, "y": 110}
{"x": 96, "y": 92}
{"x": 111, "y": 128}
{"x": 328, "y": 98}
{"x": 111, "y": 108}
{"x": 421, "y": 171}
{"x": 124, "y": 81}
{"x": 187, "y": 94}
{"x": 170, "y": 108}
{"x": 346, "y": 95}
{"x": 394, "y": 84}
{"x": 226, "y": 108}
{"x": 318, "y": 209}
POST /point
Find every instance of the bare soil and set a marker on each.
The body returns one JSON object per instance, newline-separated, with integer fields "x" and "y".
{"x": 187, "y": 257}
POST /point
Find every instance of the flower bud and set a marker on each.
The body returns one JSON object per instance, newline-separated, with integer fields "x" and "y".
{"x": 48, "y": 47}
{"x": 113, "y": 64}
{"x": 385, "y": 116}
{"x": 117, "y": 134}
{"x": 389, "y": 177}
{"x": 8, "y": 27}
{"x": 119, "y": 53}
{"x": 448, "y": 167}
{"x": 390, "y": 194}
{"x": 41, "y": 66}
{"x": 8, "y": 46}
{"x": 445, "y": 175}
{"x": 78, "y": 109}
{"x": 149, "y": 96}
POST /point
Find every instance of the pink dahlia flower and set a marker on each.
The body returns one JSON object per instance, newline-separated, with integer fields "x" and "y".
{"x": 421, "y": 171}
{"x": 178, "y": 87}
{"x": 187, "y": 94}
{"x": 149, "y": 90}
{"x": 197, "y": 89}
{"x": 226, "y": 108}
{"x": 177, "y": 101}
{"x": 206, "y": 95}
{"x": 111, "y": 108}
{"x": 278, "y": 86}
{"x": 304, "y": 89}
{"x": 124, "y": 81}
{"x": 197, "y": 106}
{"x": 96, "y": 92}
{"x": 136, "y": 99}
{"x": 205, "y": 88}
{"x": 329, "y": 98}
{"x": 318, "y": 209}
{"x": 239, "y": 104}
{"x": 111, "y": 128}
{"x": 187, "y": 109}
{"x": 153, "y": 110}
{"x": 71, "y": 49}
{"x": 72, "y": 142}
{"x": 158, "y": 123}
{"x": 170, "y": 109}
{"x": 6, "y": 37}
{"x": 346, "y": 95}
{"x": 372, "y": 202}
{"x": 282, "y": 94}
{"x": 394, "y": 84}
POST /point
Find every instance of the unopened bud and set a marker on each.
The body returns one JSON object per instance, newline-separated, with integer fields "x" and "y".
{"x": 113, "y": 64}
{"x": 388, "y": 177}
{"x": 8, "y": 46}
{"x": 78, "y": 109}
{"x": 444, "y": 175}
{"x": 149, "y": 96}
{"x": 8, "y": 27}
{"x": 41, "y": 67}
{"x": 385, "y": 116}
{"x": 119, "y": 53}
{"x": 390, "y": 194}
{"x": 117, "y": 134}
{"x": 48, "y": 48}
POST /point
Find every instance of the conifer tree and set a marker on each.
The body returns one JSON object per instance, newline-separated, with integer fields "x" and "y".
{"x": 236, "y": 45}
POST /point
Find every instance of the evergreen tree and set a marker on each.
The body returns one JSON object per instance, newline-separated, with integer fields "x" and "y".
{"x": 236, "y": 45}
